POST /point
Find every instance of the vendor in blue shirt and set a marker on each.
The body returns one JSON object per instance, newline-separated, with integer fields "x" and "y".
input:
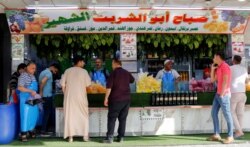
{"x": 99, "y": 74}
{"x": 168, "y": 76}
{"x": 46, "y": 92}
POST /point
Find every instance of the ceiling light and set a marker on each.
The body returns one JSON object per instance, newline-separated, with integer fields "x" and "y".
{"x": 177, "y": 8}
{"x": 112, "y": 8}
{"x": 52, "y": 7}
{"x": 231, "y": 8}
{"x": 241, "y": 0}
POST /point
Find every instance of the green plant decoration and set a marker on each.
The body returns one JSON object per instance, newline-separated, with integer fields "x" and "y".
{"x": 182, "y": 46}
{"x": 61, "y": 47}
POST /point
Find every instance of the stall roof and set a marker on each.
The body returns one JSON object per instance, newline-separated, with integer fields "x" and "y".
{"x": 234, "y": 4}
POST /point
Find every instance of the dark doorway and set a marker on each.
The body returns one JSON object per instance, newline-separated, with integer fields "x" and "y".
{"x": 5, "y": 57}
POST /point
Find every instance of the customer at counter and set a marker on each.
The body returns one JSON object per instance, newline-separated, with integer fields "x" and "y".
{"x": 221, "y": 73}
{"x": 74, "y": 82}
{"x": 45, "y": 90}
{"x": 168, "y": 76}
{"x": 117, "y": 98}
{"x": 99, "y": 74}
{"x": 238, "y": 90}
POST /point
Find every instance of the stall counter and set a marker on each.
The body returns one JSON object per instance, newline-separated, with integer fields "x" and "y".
{"x": 155, "y": 120}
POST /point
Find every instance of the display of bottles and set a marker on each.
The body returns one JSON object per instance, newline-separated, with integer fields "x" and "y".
{"x": 170, "y": 99}
{"x": 187, "y": 100}
{"x": 184, "y": 75}
{"x": 191, "y": 98}
{"x": 161, "y": 95}
{"x": 182, "y": 96}
{"x": 166, "y": 99}
{"x": 157, "y": 99}
{"x": 178, "y": 98}
{"x": 195, "y": 98}
{"x": 174, "y": 98}
{"x": 153, "y": 99}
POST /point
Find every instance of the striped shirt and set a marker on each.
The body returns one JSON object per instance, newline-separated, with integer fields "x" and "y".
{"x": 14, "y": 81}
{"x": 26, "y": 79}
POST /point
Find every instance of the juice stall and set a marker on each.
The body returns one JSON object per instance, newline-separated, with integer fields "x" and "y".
{"x": 143, "y": 40}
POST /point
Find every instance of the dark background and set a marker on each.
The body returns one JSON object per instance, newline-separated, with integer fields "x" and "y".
{"x": 5, "y": 57}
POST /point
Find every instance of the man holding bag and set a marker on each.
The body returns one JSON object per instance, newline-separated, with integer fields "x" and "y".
{"x": 28, "y": 86}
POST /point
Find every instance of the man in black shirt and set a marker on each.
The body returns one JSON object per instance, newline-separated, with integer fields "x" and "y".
{"x": 117, "y": 99}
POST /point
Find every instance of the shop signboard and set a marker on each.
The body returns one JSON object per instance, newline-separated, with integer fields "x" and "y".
{"x": 127, "y": 21}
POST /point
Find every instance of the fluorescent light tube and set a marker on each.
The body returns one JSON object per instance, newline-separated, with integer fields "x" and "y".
{"x": 52, "y": 7}
{"x": 177, "y": 8}
{"x": 230, "y": 8}
{"x": 112, "y": 8}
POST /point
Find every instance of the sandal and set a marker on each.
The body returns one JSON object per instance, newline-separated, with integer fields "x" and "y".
{"x": 32, "y": 134}
{"x": 23, "y": 138}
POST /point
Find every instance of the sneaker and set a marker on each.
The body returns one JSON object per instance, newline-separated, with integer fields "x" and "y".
{"x": 119, "y": 139}
{"x": 228, "y": 140}
{"x": 108, "y": 140}
{"x": 214, "y": 138}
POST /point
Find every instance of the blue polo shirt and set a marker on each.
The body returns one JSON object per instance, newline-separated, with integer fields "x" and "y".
{"x": 47, "y": 89}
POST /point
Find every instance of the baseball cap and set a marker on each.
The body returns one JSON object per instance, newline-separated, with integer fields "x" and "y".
{"x": 168, "y": 60}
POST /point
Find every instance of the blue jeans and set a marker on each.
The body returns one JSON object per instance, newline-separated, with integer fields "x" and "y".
{"x": 224, "y": 104}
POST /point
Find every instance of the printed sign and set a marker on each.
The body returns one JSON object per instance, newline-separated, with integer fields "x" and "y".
{"x": 238, "y": 46}
{"x": 17, "y": 38}
{"x": 128, "y": 47}
{"x": 17, "y": 51}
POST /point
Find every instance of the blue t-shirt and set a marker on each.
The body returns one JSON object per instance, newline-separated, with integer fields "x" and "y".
{"x": 47, "y": 89}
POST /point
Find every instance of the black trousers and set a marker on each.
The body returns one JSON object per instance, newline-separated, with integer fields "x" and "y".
{"x": 117, "y": 110}
{"x": 49, "y": 113}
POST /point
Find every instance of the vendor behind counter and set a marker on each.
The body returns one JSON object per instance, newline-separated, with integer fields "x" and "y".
{"x": 168, "y": 76}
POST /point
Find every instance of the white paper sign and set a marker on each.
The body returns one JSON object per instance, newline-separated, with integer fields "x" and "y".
{"x": 17, "y": 51}
{"x": 17, "y": 38}
{"x": 128, "y": 47}
{"x": 238, "y": 46}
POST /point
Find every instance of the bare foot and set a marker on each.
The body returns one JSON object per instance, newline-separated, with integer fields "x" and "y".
{"x": 70, "y": 139}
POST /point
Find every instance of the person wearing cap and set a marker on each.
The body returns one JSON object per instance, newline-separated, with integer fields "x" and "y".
{"x": 168, "y": 76}
{"x": 206, "y": 74}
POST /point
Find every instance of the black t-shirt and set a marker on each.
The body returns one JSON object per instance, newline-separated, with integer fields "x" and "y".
{"x": 118, "y": 82}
